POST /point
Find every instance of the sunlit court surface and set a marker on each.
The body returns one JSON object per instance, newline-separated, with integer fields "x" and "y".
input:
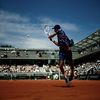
{"x": 49, "y": 90}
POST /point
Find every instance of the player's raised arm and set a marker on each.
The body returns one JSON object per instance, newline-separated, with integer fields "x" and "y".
{"x": 52, "y": 35}
{"x": 55, "y": 42}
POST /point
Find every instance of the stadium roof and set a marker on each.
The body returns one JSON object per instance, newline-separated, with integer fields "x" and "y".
{"x": 88, "y": 41}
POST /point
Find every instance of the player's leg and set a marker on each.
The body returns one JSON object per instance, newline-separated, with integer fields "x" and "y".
{"x": 65, "y": 73}
{"x": 72, "y": 70}
{"x": 70, "y": 63}
{"x": 61, "y": 64}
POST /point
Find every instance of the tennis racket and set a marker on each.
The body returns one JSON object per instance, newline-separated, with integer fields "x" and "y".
{"x": 48, "y": 30}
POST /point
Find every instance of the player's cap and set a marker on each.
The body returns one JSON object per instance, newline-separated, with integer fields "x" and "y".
{"x": 56, "y": 27}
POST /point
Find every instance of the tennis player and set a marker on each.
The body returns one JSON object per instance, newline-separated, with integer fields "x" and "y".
{"x": 65, "y": 53}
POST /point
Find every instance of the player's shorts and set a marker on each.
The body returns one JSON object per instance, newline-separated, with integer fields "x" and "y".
{"x": 65, "y": 55}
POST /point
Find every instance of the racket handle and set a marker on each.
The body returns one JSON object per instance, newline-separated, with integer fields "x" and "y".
{"x": 50, "y": 39}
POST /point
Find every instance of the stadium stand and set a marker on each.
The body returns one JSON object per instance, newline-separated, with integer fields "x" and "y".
{"x": 88, "y": 48}
{"x": 42, "y": 63}
{"x": 89, "y": 70}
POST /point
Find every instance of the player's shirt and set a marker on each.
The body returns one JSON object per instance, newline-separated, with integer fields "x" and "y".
{"x": 63, "y": 41}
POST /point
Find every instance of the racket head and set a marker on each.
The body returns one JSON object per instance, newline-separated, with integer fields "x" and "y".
{"x": 47, "y": 30}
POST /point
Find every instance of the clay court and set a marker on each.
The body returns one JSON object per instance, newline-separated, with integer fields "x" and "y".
{"x": 49, "y": 90}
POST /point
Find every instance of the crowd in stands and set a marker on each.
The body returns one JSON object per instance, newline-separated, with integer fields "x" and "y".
{"x": 89, "y": 67}
{"x": 28, "y": 68}
{"x": 81, "y": 68}
{"x": 45, "y": 70}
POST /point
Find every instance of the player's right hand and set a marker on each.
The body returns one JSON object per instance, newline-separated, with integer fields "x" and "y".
{"x": 50, "y": 38}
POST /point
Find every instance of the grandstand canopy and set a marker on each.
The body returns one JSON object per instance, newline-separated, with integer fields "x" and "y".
{"x": 88, "y": 41}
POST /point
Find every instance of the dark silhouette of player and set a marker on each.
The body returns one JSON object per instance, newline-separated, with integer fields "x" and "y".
{"x": 65, "y": 53}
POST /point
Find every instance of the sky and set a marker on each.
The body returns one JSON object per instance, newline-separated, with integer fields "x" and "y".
{"x": 22, "y": 21}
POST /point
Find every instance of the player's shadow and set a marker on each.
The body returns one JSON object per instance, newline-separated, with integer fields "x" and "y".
{"x": 64, "y": 86}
